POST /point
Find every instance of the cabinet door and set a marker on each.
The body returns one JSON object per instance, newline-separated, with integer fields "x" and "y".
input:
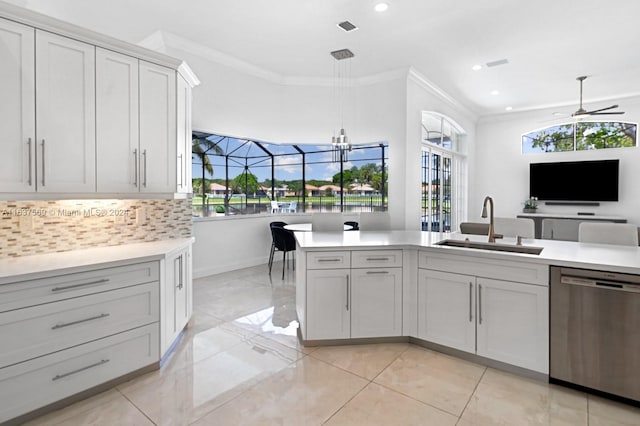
{"x": 117, "y": 122}
{"x": 17, "y": 108}
{"x": 513, "y": 324}
{"x": 65, "y": 114}
{"x": 184, "y": 137}
{"x": 328, "y": 315}
{"x": 177, "y": 297}
{"x": 376, "y": 302}
{"x": 446, "y": 309}
{"x": 157, "y": 128}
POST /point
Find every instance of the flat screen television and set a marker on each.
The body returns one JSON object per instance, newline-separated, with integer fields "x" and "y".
{"x": 574, "y": 180}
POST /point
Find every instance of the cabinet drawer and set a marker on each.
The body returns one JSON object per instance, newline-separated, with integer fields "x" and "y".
{"x": 508, "y": 270}
{"x": 35, "y": 292}
{"x": 328, "y": 259}
{"x": 31, "y": 332}
{"x": 33, "y": 384}
{"x": 376, "y": 258}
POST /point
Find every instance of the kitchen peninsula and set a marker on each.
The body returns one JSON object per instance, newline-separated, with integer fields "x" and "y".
{"x": 399, "y": 285}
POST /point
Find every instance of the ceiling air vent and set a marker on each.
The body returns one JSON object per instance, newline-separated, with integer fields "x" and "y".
{"x": 496, "y": 63}
{"x": 342, "y": 54}
{"x": 347, "y": 26}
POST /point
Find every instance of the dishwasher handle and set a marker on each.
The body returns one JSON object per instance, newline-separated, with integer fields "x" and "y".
{"x": 597, "y": 283}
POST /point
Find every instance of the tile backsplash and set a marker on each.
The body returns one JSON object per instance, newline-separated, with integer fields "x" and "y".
{"x": 32, "y": 227}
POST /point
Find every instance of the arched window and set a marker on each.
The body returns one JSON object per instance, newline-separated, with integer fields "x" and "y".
{"x": 580, "y": 136}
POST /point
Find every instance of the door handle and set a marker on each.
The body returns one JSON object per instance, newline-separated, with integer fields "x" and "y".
{"x": 135, "y": 167}
{"x": 347, "y": 306}
{"x": 480, "y": 304}
{"x": 470, "y": 301}
{"x": 29, "y": 148}
{"x": 144, "y": 163}
{"x": 43, "y": 162}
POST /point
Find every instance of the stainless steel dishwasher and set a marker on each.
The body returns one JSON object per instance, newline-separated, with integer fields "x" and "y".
{"x": 595, "y": 331}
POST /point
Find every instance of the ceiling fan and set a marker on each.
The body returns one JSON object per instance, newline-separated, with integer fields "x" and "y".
{"x": 581, "y": 112}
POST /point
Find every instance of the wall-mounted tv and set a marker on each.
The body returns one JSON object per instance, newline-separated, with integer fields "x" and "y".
{"x": 574, "y": 180}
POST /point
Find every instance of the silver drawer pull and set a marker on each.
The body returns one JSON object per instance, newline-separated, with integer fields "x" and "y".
{"x": 377, "y": 272}
{"x": 67, "y": 324}
{"x": 79, "y": 370}
{"x": 70, "y": 287}
{"x": 29, "y": 148}
{"x": 329, "y": 260}
{"x": 379, "y": 259}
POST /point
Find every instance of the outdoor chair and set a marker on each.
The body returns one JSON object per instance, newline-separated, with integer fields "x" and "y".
{"x": 275, "y": 224}
{"x": 285, "y": 242}
{"x": 275, "y": 208}
{"x": 293, "y": 207}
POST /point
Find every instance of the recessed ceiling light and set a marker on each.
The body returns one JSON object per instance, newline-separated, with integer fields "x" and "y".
{"x": 509, "y": 108}
{"x": 476, "y": 67}
{"x": 381, "y": 7}
{"x": 495, "y": 92}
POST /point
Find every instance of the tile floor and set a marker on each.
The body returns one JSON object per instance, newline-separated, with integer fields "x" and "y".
{"x": 241, "y": 364}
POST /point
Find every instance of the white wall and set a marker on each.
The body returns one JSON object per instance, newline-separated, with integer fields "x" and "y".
{"x": 502, "y": 171}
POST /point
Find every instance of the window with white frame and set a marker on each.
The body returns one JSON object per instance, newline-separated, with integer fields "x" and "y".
{"x": 444, "y": 171}
{"x": 580, "y": 136}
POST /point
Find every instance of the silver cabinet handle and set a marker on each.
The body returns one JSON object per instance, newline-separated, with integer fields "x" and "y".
{"x": 377, "y": 258}
{"x": 181, "y": 168}
{"x": 178, "y": 269}
{"x": 30, "y": 171}
{"x": 329, "y": 260}
{"x": 67, "y": 324}
{"x": 70, "y": 287}
{"x": 62, "y": 376}
{"x": 347, "y": 292}
{"x": 43, "y": 162}
{"x": 480, "y": 303}
{"x": 470, "y": 301}
{"x": 144, "y": 162}
{"x": 135, "y": 167}
{"x": 377, "y": 272}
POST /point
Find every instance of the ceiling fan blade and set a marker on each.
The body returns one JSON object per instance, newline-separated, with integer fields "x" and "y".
{"x": 608, "y": 113}
{"x": 602, "y": 109}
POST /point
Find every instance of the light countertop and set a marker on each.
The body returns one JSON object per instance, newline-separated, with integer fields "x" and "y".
{"x": 40, "y": 265}
{"x": 605, "y": 257}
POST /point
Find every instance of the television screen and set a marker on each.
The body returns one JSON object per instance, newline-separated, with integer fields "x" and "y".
{"x": 574, "y": 180}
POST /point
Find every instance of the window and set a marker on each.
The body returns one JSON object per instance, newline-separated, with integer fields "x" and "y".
{"x": 241, "y": 176}
{"x": 580, "y": 136}
{"x": 443, "y": 174}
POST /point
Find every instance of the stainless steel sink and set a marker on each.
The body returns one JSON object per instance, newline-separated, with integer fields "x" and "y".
{"x": 490, "y": 246}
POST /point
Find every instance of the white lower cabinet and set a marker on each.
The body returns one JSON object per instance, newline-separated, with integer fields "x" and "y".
{"x": 47, "y": 379}
{"x": 376, "y": 302}
{"x": 64, "y": 333}
{"x": 328, "y": 315}
{"x": 345, "y": 302}
{"x": 177, "y": 300}
{"x": 506, "y": 321}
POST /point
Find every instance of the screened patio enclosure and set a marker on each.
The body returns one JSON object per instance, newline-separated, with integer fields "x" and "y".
{"x": 242, "y": 176}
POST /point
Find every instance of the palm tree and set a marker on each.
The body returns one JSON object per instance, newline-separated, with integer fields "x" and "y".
{"x": 203, "y": 147}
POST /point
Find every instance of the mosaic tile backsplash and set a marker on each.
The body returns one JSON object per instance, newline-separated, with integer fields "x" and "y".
{"x": 33, "y": 227}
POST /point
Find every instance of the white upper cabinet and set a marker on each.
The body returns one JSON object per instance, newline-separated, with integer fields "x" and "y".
{"x": 117, "y": 146}
{"x": 158, "y": 150}
{"x": 17, "y": 107}
{"x": 65, "y": 114}
{"x": 85, "y": 114}
{"x": 184, "y": 137}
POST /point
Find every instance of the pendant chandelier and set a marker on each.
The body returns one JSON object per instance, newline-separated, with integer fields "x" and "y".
{"x": 341, "y": 77}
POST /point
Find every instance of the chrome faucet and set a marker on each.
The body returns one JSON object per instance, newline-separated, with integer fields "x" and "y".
{"x": 492, "y": 237}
